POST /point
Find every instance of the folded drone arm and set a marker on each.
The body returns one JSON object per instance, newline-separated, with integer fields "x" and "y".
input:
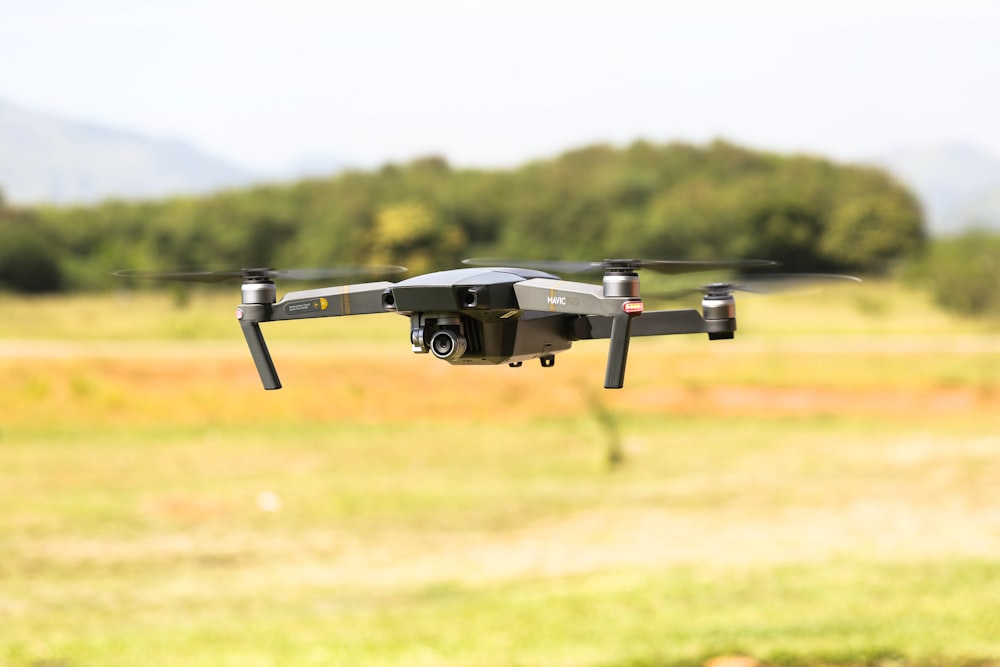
{"x": 358, "y": 299}
{"x": 651, "y": 323}
{"x": 620, "y": 329}
{"x": 361, "y": 299}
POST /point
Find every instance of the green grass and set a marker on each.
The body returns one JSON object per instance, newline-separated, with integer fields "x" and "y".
{"x": 419, "y": 544}
{"x": 846, "y": 613}
{"x": 802, "y": 495}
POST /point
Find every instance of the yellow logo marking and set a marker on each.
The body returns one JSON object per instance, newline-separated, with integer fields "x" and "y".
{"x": 345, "y": 300}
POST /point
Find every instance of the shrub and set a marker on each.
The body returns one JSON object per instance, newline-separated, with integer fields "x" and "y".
{"x": 963, "y": 272}
{"x": 28, "y": 261}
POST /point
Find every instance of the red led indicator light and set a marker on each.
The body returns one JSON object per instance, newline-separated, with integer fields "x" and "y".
{"x": 633, "y": 307}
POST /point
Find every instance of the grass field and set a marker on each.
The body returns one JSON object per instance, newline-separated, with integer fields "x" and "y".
{"x": 821, "y": 490}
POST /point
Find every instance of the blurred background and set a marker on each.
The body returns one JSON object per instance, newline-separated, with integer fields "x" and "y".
{"x": 819, "y": 490}
{"x": 844, "y": 137}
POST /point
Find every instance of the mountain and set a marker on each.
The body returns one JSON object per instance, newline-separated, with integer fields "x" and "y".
{"x": 958, "y": 184}
{"x": 45, "y": 159}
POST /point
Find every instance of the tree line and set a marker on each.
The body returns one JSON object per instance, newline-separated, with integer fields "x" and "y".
{"x": 647, "y": 200}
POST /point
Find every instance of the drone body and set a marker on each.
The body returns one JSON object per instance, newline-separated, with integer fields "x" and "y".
{"x": 497, "y": 311}
{"x": 495, "y": 315}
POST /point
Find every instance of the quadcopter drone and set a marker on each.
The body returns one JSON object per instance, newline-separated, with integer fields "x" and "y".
{"x": 494, "y": 311}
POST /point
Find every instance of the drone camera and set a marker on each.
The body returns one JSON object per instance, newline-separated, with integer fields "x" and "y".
{"x": 440, "y": 334}
{"x": 447, "y": 344}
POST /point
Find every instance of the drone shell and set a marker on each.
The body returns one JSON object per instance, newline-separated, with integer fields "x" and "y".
{"x": 483, "y": 293}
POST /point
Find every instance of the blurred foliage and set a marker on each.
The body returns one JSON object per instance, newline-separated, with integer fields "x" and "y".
{"x": 29, "y": 261}
{"x": 962, "y": 272}
{"x": 643, "y": 200}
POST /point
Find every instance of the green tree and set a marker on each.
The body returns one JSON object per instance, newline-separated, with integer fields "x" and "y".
{"x": 643, "y": 200}
{"x": 873, "y": 221}
{"x": 962, "y": 272}
{"x": 29, "y": 262}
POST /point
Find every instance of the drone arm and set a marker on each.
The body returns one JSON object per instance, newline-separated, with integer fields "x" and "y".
{"x": 325, "y": 302}
{"x": 621, "y": 327}
{"x": 361, "y": 299}
{"x": 650, "y": 323}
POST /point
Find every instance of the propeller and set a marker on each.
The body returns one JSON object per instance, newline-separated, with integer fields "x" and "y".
{"x": 767, "y": 283}
{"x": 265, "y": 274}
{"x": 668, "y": 266}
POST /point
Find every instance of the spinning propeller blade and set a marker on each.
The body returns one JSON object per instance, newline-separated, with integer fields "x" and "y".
{"x": 331, "y": 273}
{"x": 668, "y": 266}
{"x": 765, "y": 283}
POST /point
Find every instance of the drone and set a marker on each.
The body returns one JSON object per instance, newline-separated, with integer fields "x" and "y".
{"x": 494, "y": 312}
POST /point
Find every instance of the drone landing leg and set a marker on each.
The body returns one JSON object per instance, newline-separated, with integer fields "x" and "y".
{"x": 261, "y": 357}
{"x": 621, "y": 326}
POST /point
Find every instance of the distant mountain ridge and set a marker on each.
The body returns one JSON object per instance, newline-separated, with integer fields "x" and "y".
{"x": 45, "y": 159}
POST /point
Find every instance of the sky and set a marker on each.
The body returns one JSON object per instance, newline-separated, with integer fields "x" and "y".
{"x": 266, "y": 85}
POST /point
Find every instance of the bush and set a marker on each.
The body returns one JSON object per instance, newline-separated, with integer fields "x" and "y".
{"x": 962, "y": 272}
{"x": 28, "y": 262}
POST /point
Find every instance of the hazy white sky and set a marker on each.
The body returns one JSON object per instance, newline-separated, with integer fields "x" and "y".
{"x": 497, "y": 82}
